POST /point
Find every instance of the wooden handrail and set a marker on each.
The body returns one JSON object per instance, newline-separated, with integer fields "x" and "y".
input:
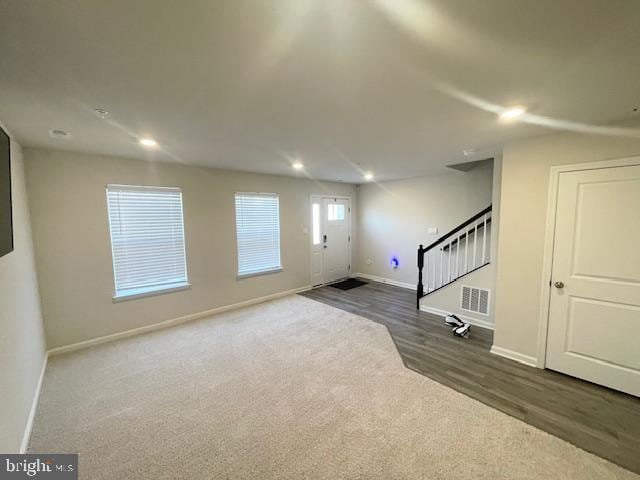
{"x": 453, "y": 243}
{"x": 458, "y": 228}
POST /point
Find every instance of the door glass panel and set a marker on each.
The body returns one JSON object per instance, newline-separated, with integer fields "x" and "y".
{"x": 315, "y": 223}
{"x": 335, "y": 212}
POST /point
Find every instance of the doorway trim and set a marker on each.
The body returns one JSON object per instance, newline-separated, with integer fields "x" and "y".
{"x": 309, "y": 210}
{"x": 549, "y": 240}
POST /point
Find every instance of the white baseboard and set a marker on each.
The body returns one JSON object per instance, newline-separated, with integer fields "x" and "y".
{"x": 389, "y": 281}
{"x": 34, "y": 406}
{"x": 172, "y": 322}
{"x": 465, "y": 318}
{"x": 518, "y": 357}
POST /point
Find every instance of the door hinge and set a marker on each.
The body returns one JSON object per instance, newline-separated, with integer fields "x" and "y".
{"x": 349, "y": 237}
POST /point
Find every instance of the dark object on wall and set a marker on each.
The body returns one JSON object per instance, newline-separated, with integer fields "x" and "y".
{"x": 6, "y": 218}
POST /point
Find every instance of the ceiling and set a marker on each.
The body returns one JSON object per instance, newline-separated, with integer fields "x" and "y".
{"x": 396, "y": 87}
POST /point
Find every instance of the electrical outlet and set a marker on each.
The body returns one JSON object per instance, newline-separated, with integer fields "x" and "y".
{"x": 369, "y": 261}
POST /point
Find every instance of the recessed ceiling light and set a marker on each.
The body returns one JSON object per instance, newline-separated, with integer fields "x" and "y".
{"x": 298, "y": 165}
{"x": 513, "y": 112}
{"x": 101, "y": 112}
{"x": 148, "y": 142}
{"x": 59, "y": 134}
{"x": 368, "y": 176}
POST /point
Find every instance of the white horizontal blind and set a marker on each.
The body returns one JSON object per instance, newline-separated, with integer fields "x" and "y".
{"x": 258, "y": 232}
{"x": 147, "y": 238}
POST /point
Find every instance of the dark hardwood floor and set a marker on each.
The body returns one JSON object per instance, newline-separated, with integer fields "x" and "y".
{"x": 594, "y": 418}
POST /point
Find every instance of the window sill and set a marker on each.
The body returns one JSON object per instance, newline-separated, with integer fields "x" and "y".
{"x": 240, "y": 276}
{"x": 135, "y": 293}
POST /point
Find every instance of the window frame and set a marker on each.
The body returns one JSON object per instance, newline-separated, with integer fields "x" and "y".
{"x": 124, "y": 295}
{"x": 267, "y": 271}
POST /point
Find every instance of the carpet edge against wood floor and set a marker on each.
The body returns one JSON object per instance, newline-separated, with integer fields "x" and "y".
{"x": 611, "y": 430}
{"x": 292, "y": 388}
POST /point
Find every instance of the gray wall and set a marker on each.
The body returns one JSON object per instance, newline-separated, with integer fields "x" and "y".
{"x": 22, "y": 346}
{"x": 71, "y": 236}
{"x": 448, "y": 298}
{"x": 526, "y": 168}
{"x": 394, "y": 217}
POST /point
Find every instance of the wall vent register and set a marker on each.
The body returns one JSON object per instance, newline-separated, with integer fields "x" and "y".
{"x": 475, "y": 300}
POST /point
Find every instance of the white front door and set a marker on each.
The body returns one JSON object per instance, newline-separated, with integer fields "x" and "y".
{"x": 335, "y": 238}
{"x": 594, "y": 314}
{"x": 330, "y": 220}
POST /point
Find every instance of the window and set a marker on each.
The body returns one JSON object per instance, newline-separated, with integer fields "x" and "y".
{"x": 336, "y": 211}
{"x": 258, "y": 232}
{"x": 147, "y": 240}
{"x": 315, "y": 223}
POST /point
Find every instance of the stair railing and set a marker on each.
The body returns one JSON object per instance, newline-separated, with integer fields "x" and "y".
{"x": 459, "y": 252}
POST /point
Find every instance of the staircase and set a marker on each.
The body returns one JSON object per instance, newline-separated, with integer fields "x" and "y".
{"x": 459, "y": 252}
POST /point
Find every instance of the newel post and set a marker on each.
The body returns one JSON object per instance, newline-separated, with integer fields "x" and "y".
{"x": 420, "y": 289}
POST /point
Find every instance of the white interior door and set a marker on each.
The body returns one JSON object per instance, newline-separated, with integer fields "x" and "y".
{"x": 330, "y": 239}
{"x": 594, "y": 314}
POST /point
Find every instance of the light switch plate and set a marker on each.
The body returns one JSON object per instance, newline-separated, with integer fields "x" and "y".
{"x": 433, "y": 230}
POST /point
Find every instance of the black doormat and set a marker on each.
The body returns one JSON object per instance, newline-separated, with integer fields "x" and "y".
{"x": 348, "y": 284}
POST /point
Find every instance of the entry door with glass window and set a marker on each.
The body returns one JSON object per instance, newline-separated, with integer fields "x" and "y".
{"x": 330, "y": 239}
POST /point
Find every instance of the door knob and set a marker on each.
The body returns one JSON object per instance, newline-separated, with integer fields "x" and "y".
{"x": 558, "y": 285}
{"x": 325, "y": 246}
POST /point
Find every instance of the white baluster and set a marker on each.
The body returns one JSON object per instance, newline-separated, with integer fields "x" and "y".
{"x": 489, "y": 219}
{"x": 426, "y": 264}
{"x": 446, "y": 248}
{"x": 475, "y": 242}
{"x": 441, "y": 264}
{"x": 484, "y": 239}
{"x": 429, "y": 270}
{"x": 466, "y": 250}
{"x": 449, "y": 263}
{"x": 433, "y": 254}
{"x": 457, "y": 256}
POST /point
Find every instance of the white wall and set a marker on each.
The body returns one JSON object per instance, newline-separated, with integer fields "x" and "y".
{"x": 73, "y": 252}
{"x": 22, "y": 344}
{"x": 526, "y": 168}
{"x": 393, "y": 217}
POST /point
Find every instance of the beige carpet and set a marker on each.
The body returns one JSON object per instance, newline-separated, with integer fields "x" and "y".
{"x": 289, "y": 389}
